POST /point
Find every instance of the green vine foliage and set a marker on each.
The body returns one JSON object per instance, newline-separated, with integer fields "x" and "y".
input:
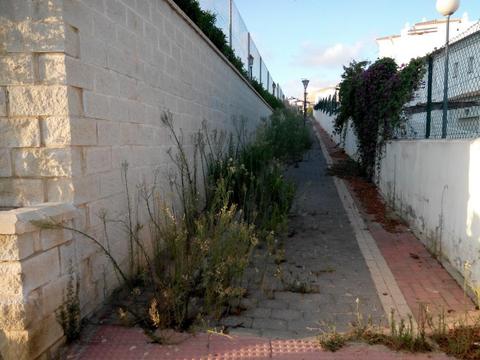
{"x": 205, "y": 20}
{"x": 328, "y": 105}
{"x": 373, "y": 96}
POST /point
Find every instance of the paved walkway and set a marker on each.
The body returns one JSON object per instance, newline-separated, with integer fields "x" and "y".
{"x": 311, "y": 284}
{"x": 323, "y": 272}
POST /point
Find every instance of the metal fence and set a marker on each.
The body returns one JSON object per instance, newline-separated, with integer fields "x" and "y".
{"x": 231, "y": 22}
{"x": 424, "y": 114}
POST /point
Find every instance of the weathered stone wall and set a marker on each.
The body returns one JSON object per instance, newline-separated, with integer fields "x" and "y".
{"x": 34, "y": 273}
{"x": 82, "y": 87}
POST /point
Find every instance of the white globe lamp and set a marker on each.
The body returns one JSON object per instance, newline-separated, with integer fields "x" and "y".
{"x": 447, "y": 7}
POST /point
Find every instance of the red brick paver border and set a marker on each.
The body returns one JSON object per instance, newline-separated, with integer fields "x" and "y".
{"x": 121, "y": 343}
{"x": 420, "y": 277}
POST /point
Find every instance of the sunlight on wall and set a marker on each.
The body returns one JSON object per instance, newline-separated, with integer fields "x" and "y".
{"x": 473, "y": 212}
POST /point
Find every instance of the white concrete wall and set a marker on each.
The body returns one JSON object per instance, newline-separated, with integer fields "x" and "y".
{"x": 435, "y": 186}
{"x": 346, "y": 140}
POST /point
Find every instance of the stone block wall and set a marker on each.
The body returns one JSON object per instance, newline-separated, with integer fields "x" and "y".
{"x": 82, "y": 87}
{"x": 35, "y": 268}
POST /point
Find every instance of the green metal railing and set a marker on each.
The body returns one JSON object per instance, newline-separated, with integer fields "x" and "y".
{"x": 228, "y": 18}
{"x": 423, "y": 114}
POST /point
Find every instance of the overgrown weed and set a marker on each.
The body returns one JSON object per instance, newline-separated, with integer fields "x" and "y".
{"x": 230, "y": 195}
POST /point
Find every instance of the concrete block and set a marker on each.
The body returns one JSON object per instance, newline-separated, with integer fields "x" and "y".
{"x": 47, "y": 9}
{"x": 98, "y": 159}
{"x": 127, "y": 41}
{"x": 95, "y": 4}
{"x": 11, "y": 282}
{"x": 51, "y": 69}
{"x": 60, "y": 190}
{"x": 59, "y": 131}
{"x": 46, "y": 36}
{"x": 67, "y": 257}
{"x": 48, "y": 162}
{"x": 5, "y": 163}
{"x": 79, "y": 74}
{"x": 127, "y": 87}
{"x": 38, "y": 100}
{"x": 113, "y": 206}
{"x": 78, "y": 15}
{"x": 3, "y": 102}
{"x": 96, "y": 106}
{"x": 17, "y": 247}
{"x": 92, "y": 50}
{"x": 40, "y": 269}
{"x": 144, "y": 8}
{"x": 111, "y": 183}
{"x": 134, "y": 22}
{"x": 121, "y": 62}
{"x": 16, "y": 10}
{"x": 106, "y": 82}
{"x": 75, "y": 101}
{"x": 78, "y": 190}
{"x": 19, "y": 132}
{"x": 104, "y": 29}
{"x": 116, "y": 11}
{"x": 45, "y": 334}
{"x": 119, "y": 110}
{"x": 16, "y": 69}
{"x": 108, "y": 133}
{"x": 54, "y": 294}
{"x": 21, "y": 192}
{"x": 72, "y": 41}
{"x": 145, "y": 51}
{"x": 54, "y": 237}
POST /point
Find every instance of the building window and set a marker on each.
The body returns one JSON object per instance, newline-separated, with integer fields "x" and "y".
{"x": 471, "y": 61}
{"x": 455, "y": 70}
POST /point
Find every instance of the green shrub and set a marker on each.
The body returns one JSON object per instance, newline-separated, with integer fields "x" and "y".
{"x": 205, "y": 20}
{"x": 202, "y": 245}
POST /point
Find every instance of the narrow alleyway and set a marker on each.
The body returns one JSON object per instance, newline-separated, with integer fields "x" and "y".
{"x": 309, "y": 284}
{"x": 316, "y": 284}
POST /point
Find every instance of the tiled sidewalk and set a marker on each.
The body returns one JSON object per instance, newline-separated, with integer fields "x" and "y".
{"x": 403, "y": 253}
{"x": 120, "y": 343}
{"x": 420, "y": 277}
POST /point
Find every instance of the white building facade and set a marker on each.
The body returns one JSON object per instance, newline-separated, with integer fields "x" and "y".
{"x": 420, "y": 39}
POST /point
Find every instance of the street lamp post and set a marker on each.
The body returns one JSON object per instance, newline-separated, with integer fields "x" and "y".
{"x": 250, "y": 66}
{"x": 305, "y": 85}
{"x": 446, "y": 8}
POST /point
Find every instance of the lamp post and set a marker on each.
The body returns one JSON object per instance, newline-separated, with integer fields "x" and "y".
{"x": 446, "y": 8}
{"x": 250, "y": 66}
{"x": 305, "y": 85}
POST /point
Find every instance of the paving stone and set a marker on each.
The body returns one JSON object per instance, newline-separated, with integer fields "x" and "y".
{"x": 270, "y": 324}
{"x": 244, "y": 332}
{"x": 237, "y": 321}
{"x": 273, "y": 304}
{"x": 286, "y": 314}
{"x": 258, "y": 312}
{"x": 279, "y": 334}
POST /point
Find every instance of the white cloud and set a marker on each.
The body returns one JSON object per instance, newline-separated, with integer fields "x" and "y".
{"x": 334, "y": 56}
{"x": 295, "y": 87}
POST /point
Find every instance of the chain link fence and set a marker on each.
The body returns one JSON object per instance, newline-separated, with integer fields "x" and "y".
{"x": 228, "y": 18}
{"x": 424, "y": 114}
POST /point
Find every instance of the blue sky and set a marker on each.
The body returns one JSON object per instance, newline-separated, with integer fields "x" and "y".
{"x": 314, "y": 38}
